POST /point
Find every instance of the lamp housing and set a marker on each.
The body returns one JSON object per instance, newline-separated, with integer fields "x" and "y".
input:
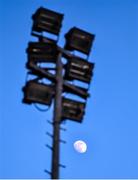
{"x": 47, "y": 21}
{"x": 72, "y": 110}
{"x": 42, "y": 52}
{"x": 79, "y": 69}
{"x": 77, "y": 39}
{"x": 35, "y": 92}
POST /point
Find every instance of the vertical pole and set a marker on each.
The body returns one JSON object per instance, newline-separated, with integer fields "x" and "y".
{"x": 57, "y": 119}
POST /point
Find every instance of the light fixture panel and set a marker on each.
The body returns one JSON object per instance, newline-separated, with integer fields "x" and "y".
{"x": 77, "y": 39}
{"x": 79, "y": 69}
{"x": 35, "y": 92}
{"x": 41, "y": 52}
{"x": 72, "y": 110}
{"x": 47, "y": 21}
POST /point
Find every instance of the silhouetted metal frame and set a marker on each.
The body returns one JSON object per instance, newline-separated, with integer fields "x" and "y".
{"x": 57, "y": 115}
{"x": 44, "y": 73}
{"x": 57, "y": 119}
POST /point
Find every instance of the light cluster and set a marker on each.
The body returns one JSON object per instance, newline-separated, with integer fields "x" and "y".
{"x": 45, "y": 51}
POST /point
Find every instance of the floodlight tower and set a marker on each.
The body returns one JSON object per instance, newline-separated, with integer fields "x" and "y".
{"x": 47, "y": 51}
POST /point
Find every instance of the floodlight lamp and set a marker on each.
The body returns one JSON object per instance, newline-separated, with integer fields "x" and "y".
{"x": 35, "y": 92}
{"x": 72, "y": 110}
{"x": 45, "y": 20}
{"x": 41, "y": 52}
{"x": 79, "y": 69}
{"x": 80, "y": 40}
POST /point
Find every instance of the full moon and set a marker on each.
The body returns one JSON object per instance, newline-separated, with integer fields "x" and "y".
{"x": 80, "y": 146}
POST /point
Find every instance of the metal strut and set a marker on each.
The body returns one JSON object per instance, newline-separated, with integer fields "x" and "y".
{"x": 57, "y": 119}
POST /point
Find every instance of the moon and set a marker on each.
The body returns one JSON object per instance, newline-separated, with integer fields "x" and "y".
{"x": 80, "y": 146}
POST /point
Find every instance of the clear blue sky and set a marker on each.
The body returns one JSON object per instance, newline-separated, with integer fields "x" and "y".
{"x": 110, "y": 127}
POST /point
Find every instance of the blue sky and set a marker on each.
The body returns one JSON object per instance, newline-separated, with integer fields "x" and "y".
{"x": 110, "y": 126}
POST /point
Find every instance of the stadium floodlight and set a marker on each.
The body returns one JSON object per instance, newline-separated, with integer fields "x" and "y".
{"x": 80, "y": 69}
{"x": 45, "y": 20}
{"x": 41, "y": 52}
{"x": 72, "y": 110}
{"x": 77, "y": 39}
{"x": 35, "y": 92}
{"x": 44, "y": 62}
